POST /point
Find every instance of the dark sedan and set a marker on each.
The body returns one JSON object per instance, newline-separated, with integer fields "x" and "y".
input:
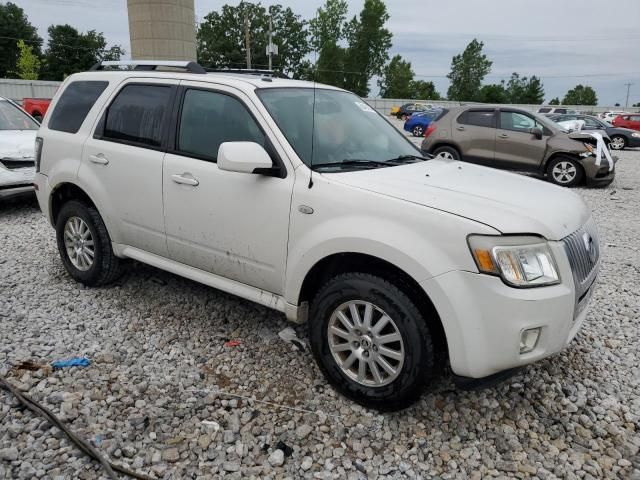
{"x": 620, "y": 137}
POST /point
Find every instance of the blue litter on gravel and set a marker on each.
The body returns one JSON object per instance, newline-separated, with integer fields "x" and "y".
{"x": 72, "y": 362}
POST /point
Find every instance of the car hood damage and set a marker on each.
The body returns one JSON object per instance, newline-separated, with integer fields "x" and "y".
{"x": 17, "y": 144}
{"x": 509, "y": 202}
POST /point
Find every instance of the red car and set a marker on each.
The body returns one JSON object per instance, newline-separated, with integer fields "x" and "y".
{"x": 36, "y": 107}
{"x": 631, "y": 121}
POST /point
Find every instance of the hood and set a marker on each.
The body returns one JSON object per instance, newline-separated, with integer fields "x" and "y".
{"x": 508, "y": 202}
{"x": 17, "y": 144}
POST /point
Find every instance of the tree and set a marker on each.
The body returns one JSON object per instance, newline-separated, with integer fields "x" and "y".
{"x": 494, "y": 93}
{"x": 113, "y": 54}
{"x": 467, "y": 72}
{"x": 554, "y": 101}
{"x": 15, "y": 26}
{"x": 524, "y": 90}
{"x": 617, "y": 105}
{"x": 422, "y": 90}
{"x": 221, "y": 38}
{"x": 327, "y": 26}
{"x": 28, "y": 64}
{"x": 330, "y": 66}
{"x": 369, "y": 44}
{"x": 397, "y": 79}
{"x": 580, "y": 95}
{"x": 70, "y": 51}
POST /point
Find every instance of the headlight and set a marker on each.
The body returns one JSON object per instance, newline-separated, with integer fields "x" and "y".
{"x": 636, "y": 134}
{"x": 523, "y": 261}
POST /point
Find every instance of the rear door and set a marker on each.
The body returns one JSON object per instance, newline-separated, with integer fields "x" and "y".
{"x": 474, "y": 131}
{"x": 516, "y": 147}
{"x": 122, "y": 161}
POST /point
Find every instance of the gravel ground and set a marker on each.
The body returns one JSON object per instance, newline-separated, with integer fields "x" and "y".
{"x": 164, "y": 395}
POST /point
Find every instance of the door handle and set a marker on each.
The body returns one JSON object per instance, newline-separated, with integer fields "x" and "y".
{"x": 183, "y": 179}
{"x": 503, "y": 135}
{"x": 100, "y": 159}
{"x": 460, "y": 128}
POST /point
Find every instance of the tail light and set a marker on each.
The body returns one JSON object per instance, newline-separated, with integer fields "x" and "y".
{"x": 430, "y": 129}
{"x": 38, "y": 152}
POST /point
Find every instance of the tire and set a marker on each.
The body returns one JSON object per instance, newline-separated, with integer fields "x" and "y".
{"x": 565, "y": 171}
{"x": 449, "y": 153}
{"x": 413, "y": 372}
{"x": 418, "y": 131}
{"x": 38, "y": 117}
{"x": 404, "y": 117}
{"x": 104, "y": 266}
{"x": 618, "y": 142}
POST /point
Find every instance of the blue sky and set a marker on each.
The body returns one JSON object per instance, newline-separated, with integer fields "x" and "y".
{"x": 562, "y": 41}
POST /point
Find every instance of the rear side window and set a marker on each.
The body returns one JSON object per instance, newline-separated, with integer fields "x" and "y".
{"x": 209, "y": 119}
{"x": 479, "y": 118}
{"x": 74, "y": 105}
{"x": 544, "y": 110}
{"x": 137, "y": 115}
{"x": 561, "y": 110}
{"x": 635, "y": 118}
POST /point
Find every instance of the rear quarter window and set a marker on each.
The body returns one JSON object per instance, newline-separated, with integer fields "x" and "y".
{"x": 74, "y": 105}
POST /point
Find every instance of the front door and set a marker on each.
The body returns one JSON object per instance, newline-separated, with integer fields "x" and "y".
{"x": 122, "y": 161}
{"x": 231, "y": 224}
{"x": 516, "y": 147}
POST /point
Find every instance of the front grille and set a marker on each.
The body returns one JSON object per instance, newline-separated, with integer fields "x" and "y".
{"x": 583, "y": 250}
{"x": 13, "y": 164}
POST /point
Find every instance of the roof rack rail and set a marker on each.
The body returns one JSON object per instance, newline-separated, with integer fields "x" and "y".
{"x": 150, "y": 65}
{"x": 246, "y": 71}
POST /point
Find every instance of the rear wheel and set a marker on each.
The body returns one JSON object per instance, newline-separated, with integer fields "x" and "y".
{"x": 38, "y": 117}
{"x": 418, "y": 131}
{"x": 404, "y": 117}
{"x": 565, "y": 171}
{"x": 449, "y": 153}
{"x": 618, "y": 142}
{"x": 85, "y": 246}
{"x": 371, "y": 341}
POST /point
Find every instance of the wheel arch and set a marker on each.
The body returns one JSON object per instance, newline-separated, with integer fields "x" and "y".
{"x": 355, "y": 262}
{"x": 445, "y": 143}
{"x": 62, "y": 193}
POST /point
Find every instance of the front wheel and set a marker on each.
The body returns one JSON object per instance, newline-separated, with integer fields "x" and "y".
{"x": 371, "y": 341}
{"x": 618, "y": 142}
{"x": 565, "y": 171}
{"x": 418, "y": 131}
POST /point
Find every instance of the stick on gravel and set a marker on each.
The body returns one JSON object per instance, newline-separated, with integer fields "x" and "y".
{"x": 81, "y": 443}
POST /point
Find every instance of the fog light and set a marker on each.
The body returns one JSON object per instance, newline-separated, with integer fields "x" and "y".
{"x": 529, "y": 339}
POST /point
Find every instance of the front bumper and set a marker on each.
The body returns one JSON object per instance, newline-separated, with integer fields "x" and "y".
{"x": 16, "y": 181}
{"x": 598, "y": 175}
{"x": 483, "y": 318}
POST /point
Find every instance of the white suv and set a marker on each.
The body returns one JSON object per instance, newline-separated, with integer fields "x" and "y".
{"x": 302, "y": 198}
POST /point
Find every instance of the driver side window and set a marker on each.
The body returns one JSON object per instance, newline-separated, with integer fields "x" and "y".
{"x": 517, "y": 122}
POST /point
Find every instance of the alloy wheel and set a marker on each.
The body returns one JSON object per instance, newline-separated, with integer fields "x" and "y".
{"x": 418, "y": 131}
{"x": 564, "y": 172}
{"x": 617, "y": 143}
{"x": 366, "y": 343}
{"x": 446, "y": 155}
{"x": 79, "y": 243}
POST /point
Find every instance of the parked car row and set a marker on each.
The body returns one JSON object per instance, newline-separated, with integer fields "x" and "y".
{"x": 620, "y": 137}
{"x": 308, "y": 201}
{"x": 408, "y": 109}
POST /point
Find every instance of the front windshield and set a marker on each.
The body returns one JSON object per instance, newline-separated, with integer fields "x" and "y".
{"x": 12, "y": 118}
{"x": 341, "y": 128}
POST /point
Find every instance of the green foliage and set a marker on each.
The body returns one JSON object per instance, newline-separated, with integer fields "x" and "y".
{"x": 422, "y": 90}
{"x": 397, "y": 79}
{"x": 554, "y": 101}
{"x": 221, "y": 38}
{"x": 28, "y": 64}
{"x": 70, "y": 51}
{"x": 369, "y": 44}
{"x": 14, "y": 26}
{"x": 580, "y": 95}
{"x": 330, "y": 66}
{"x": 493, "y": 93}
{"x": 468, "y": 69}
{"x": 328, "y": 24}
{"x": 523, "y": 90}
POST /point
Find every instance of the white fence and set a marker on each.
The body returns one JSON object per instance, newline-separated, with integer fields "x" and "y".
{"x": 19, "y": 89}
{"x": 383, "y": 105}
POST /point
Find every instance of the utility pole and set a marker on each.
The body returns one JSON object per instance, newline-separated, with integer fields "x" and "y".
{"x": 247, "y": 39}
{"x": 270, "y": 43}
{"x": 626, "y": 103}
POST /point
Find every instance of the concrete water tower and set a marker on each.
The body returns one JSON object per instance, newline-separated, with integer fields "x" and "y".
{"x": 162, "y": 29}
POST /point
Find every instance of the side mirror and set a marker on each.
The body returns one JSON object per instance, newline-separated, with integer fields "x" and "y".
{"x": 537, "y": 132}
{"x": 245, "y": 157}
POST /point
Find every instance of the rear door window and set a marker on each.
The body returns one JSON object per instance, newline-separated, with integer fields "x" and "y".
{"x": 138, "y": 115}
{"x": 208, "y": 119}
{"x": 74, "y": 105}
{"x": 544, "y": 110}
{"x": 479, "y": 118}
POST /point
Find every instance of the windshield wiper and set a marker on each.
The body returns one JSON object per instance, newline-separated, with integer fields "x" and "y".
{"x": 353, "y": 162}
{"x": 407, "y": 159}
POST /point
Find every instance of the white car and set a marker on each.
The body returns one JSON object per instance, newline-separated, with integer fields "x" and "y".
{"x": 572, "y": 125}
{"x": 609, "y": 116}
{"x": 308, "y": 201}
{"x": 17, "y": 142}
